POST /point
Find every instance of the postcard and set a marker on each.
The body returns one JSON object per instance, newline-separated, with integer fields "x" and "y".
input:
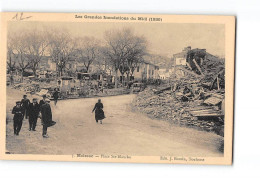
{"x": 128, "y": 88}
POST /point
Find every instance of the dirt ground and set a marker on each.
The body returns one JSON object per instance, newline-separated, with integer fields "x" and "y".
{"x": 122, "y": 132}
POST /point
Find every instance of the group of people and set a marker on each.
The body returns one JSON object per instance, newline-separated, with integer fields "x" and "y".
{"x": 32, "y": 111}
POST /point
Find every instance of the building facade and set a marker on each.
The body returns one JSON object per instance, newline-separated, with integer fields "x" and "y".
{"x": 180, "y": 58}
{"x": 145, "y": 71}
{"x": 165, "y": 74}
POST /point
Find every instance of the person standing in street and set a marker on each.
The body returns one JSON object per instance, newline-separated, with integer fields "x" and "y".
{"x": 43, "y": 100}
{"x": 46, "y": 116}
{"x": 18, "y": 112}
{"x": 25, "y": 104}
{"x": 55, "y": 96}
{"x": 33, "y": 112}
{"x": 99, "y": 113}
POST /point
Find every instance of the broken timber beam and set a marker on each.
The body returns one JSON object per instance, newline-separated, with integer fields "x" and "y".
{"x": 198, "y": 67}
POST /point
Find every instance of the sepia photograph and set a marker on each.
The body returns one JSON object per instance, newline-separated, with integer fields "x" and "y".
{"x": 118, "y": 88}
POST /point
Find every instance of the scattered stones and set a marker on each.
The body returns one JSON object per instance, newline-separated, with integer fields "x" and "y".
{"x": 165, "y": 106}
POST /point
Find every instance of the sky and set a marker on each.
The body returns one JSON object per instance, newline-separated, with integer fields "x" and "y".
{"x": 163, "y": 39}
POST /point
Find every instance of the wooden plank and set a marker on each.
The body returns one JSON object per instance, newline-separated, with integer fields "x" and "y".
{"x": 211, "y": 112}
{"x": 198, "y": 67}
{"x": 206, "y": 109}
{"x": 204, "y": 112}
{"x": 199, "y": 108}
{"x": 209, "y": 115}
{"x": 188, "y": 65}
{"x": 212, "y": 101}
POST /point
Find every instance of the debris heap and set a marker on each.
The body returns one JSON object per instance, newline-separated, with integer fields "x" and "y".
{"x": 191, "y": 100}
{"x": 195, "y": 113}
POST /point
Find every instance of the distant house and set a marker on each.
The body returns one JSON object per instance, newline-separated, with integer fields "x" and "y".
{"x": 72, "y": 65}
{"x": 164, "y": 73}
{"x": 180, "y": 58}
{"x": 52, "y": 64}
{"x": 44, "y": 63}
{"x": 145, "y": 71}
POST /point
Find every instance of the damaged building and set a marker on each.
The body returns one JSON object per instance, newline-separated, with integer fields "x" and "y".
{"x": 195, "y": 93}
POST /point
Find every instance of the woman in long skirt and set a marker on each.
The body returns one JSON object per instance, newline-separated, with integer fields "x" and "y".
{"x": 99, "y": 113}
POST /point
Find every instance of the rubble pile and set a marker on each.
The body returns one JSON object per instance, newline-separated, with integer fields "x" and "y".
{"x": 165, "y": 106}
{"x": 28, "y": 88}
{"x": 213, "y": 69}
{"x": 114, "y": 92}
{"x": 193, "y": 100}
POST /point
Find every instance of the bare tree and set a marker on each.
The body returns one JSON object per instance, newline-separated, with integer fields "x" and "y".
{"x": 20, "y": 52}
{"x": 125, "y": 50}
{"x": 62, "y": 49}
{"x": 36, "y": 44}
{"x": 11, "y": 62}
{"x": 88, "y": 50}
{"x": 136, "y": 51}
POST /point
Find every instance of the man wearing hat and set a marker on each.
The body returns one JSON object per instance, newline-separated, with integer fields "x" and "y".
{"x": 25, "y": 104}
{"x": 46, "y": 116}
{"x": 33, "y": 112}
{"x": 43, "y": 100}
{"x": 18, "y": 112}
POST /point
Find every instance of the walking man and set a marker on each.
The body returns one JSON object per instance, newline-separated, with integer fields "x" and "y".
{"x": 18, "y": 112}
{"x": 43, "y": 100}
{"x": 55, "y": 96}
{"x": 25, "y": 104}
{"x": 33, "y": 112}
{"x": 46, "y": 116}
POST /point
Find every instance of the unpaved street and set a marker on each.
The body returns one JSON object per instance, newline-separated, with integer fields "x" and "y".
{"x": 122, "y": 132}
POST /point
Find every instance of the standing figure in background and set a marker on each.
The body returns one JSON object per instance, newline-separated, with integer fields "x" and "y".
{"x": 18, "y": 112}
{"x": 12, "y": 79}
{"x": 46, "y": 116}
{"x": 25, "y": 104}
{"x": 55, "y": 96}
{"x": 34, "y": 110}
{"x": 99, "y": 113}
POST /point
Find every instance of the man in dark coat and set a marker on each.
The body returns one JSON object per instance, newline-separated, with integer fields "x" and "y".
{"x": 55, "y": 96}
{"x": 33, "y": 112}
{"x": 18, "y": 112}
{"x": 25, "y": 104}
{"x": 43, "y": 100}
{"x": 99, "y": 113}
{"x": 46, "y": 116}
